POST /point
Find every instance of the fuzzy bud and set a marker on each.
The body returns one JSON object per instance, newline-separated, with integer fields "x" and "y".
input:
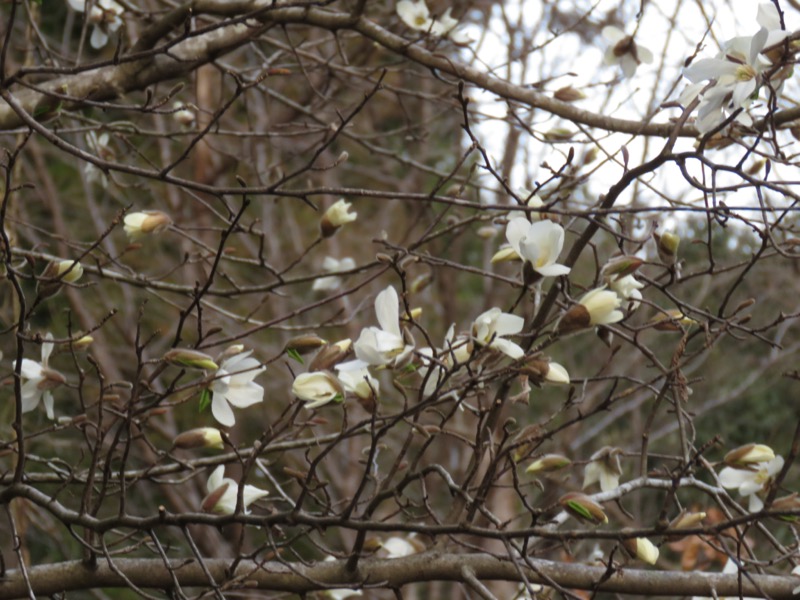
{"x": 146, "y": 222}
{"x": 58, "y": 272}
{"x": 670, "y": 320}
{"x": 621, "y": 266}
{"x": 748, "y": 456}
{"x": 191, "y": 359}
{"x": 547, "y": 463}
{"x": 202, "y": 437}
{"x": 568, "y": 94}
{"x": 505, "y": 254}
{"x": 687, "y": 520}
{"x": 330, "y": 355}
{"x": 667, "y": 246}
{"x": 583, "y": 508}
{"x": 643, "y": 549}
{"x": 304, "y": 344}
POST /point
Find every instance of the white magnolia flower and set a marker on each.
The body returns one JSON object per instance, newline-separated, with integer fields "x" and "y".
{"x": 750, "y": 483}
{"x": 770, "y": 20}
{"x": 415, "y": 14}
{"x": 539, "y": 243}
{"x": 223, "y": 492}
{"x": 490, "y": 328}
{"x": 557, "y": 374}
{"x": 356, "y": 379}
{"x": 446, "y": 25}
{"x": 385, "y": 345}
{"x": 317, "y": 388}
{"x": 38, "y": 380}
{"x": 604, "y": 469}
{"x": 628, "y": 288}
{"x": 601, "y": 305}
{"x": 104, "y": 15}
{"x": 234, "y": 385}
{"x": 332, "y": 282}
{"x": 398, "y": 547}
{"x": 624, "y": 51}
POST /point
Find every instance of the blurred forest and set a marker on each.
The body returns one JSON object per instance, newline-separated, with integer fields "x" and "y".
{"x": 401, "y": 300}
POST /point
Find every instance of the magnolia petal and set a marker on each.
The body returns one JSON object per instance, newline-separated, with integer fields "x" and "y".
{"x": 99, "y": 38}
{"x": 47, "y": 400}
{"x": 644, "y": 54}
{"x": 215, "y": 479}
{"x": 554, "y": 270}
{"x": 516, "y": 231}
{"x": 613, "y": 34}
{"x": 30, "y": 369}
{"x": 508, "y": 348}
{"x": 387, "y": 309}
{"x": 222, "y": 411}
{"x": 628, "y": 64}
{"x": 508, "y": 324}
{"x": 755, "y": 504}
{"x": 245, "y": 395}
{"x": 608, "y": 480}
{"x": 732, "y": 478}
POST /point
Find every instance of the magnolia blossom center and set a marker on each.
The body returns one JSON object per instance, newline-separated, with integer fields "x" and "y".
{"x": 745, "y": 73}
{"x": 420, "y": 21}
{"x": 625, "y": 46}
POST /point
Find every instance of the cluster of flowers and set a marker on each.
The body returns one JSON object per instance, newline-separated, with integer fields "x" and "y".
{"x": 728, "y": 83}
{"x": 105, "y": 16}
{"x": 417, "y": 16}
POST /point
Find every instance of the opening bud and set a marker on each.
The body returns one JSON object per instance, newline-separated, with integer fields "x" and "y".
{"x": 336, "y": 216}
{"x": 191, "y": 359}
{"x": 583, "y": 508}
{"x": 748, "y": 456}
{"x": 643, "y": 549}
{"x": 304, "y": 344}
{"x": 548, "y": 463}
{"x": 621, "y": 266}
{"x": 329, "y": 356}
{"x": 505, "y": 254}
{"x": 667, "y": 246}
{"x": 202, "y": 437}
{"x": 146, "y": 222}
{"x": 687, "y": 520}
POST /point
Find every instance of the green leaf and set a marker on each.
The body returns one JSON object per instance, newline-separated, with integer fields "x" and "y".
{"x": 294, "y": 354}
{"x": 205, "y": 399}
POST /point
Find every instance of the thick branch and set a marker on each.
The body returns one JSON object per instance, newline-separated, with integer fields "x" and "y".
{"x": 429, "y": 566}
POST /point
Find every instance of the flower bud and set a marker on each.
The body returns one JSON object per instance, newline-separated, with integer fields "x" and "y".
{"x": 191, "y": 359}
{"x": 487, "y": 232}
{"x": 230, "y": 351}
{"x": 687, "y": 520}
{"x": 304, "y": 344}
{"x": 621, "y": 266}
{"x": 420, "y": 283}
{"x": 568, "y": 94}
{"x": 505, "y": 254}
{"x": 83, "y": 342}
{"x": 146, "y": 222}
{"x": 597, "y": 307}
{"x": 183, "y": 115}
{"x": 643, "y": 549}
{"x": 336, "y": 216}
{"x": 317, "y": 388}
{"x": 670, "y": 320}
{"x": 415, "y": 314}
{"x": 541, "y": 371}
{"x": 202, "y": 437}
{"x": 747, "y": 456}
{"x": 558, "y": 134}
{"x": 667, "y": 246}
{"x": 329, "y": 356}
{"x": 547, "y": 463}
{"x": 787, "y": 503}
{"x": 583, "y": 508}
{"x": 58, "y": 272}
